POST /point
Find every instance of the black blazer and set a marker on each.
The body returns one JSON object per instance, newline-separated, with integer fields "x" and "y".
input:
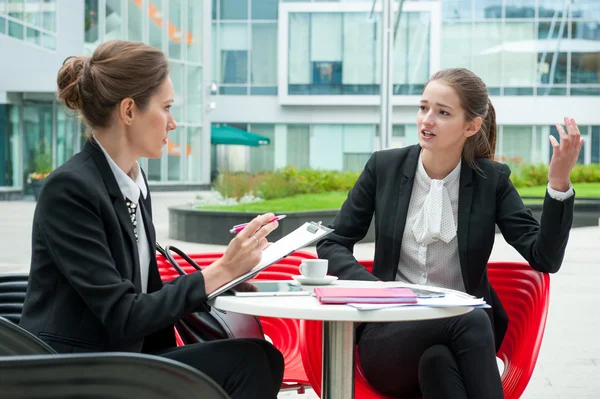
{"x": 84, "y": 291}
{"x": 486, "y": 198}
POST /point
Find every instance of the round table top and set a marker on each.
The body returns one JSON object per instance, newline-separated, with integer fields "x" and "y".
{"x": 309, "y": 308}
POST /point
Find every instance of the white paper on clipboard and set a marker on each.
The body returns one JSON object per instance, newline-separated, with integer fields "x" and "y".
{"x": 304, "y": 235}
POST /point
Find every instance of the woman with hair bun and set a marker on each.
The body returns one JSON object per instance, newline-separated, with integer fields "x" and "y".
{"x": 94, "y": 284}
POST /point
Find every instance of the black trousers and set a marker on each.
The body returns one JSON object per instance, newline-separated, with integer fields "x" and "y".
{"x": 443, "y": 358}
{"x": 245, "y": 368}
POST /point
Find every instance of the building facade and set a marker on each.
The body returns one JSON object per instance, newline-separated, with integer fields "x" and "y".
{"x": 305, "y": 74}
{"x": 38, "y": 134}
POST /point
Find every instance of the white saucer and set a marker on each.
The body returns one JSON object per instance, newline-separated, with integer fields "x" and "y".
{"x": 314, "y": 281}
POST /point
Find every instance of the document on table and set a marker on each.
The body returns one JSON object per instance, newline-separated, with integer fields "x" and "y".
{"x": 450, "y": 300}
{"x": 304, "y": 235}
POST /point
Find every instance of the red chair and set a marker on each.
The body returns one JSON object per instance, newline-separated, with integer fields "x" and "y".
{"x": 283, "y": 333}
{"x": 525, "y": 295}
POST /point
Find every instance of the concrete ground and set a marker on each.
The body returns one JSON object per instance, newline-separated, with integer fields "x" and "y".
{"x": 569, "y": 362}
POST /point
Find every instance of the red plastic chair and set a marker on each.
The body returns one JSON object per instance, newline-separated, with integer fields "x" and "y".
{"x": 525, "y": 295}
{"x": 283, "y": 333}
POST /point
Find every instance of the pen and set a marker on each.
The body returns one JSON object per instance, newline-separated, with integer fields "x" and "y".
{"x": 239, "y": 227}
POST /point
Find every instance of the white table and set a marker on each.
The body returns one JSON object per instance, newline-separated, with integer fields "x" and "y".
{"x": 338, "y": 327}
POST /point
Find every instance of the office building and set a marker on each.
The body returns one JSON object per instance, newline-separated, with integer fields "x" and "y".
{"x": 304, "y": 74}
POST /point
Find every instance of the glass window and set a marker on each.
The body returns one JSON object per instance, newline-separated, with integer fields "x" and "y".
{"x": 155, "y": 168}
{"x": 91, "y": 21}
{"x": 49, "y": 41}
{"x": 457, "y": 41}
{"x": 155, "y": 21}
{"x": 135, "y": 20}
{"x": 2, "y": 25}
{"x": 9, "y": 145}
{"x": 37, "y": 143}
{"x": 355, "y": 162}
{"x": 264, "y": 54}
{"x": 517, "y": 143}
{"x": 520, "y": 9}
{"x": 552, "y": 8}
{"x": 234, "y": 9}
{"x": 361, "y": 53}
{"x": 552, "y": 68}
{"x": 265, "y": 9}
{"x": 194, "y": 154}
{"x": 114, "y": 21}
{"x": 487, "y": 52}
{"x": 585, "y": 68}
{"x": 176, "y": 70}
{"x": 585, "y": 9}
{"x": 595, "y": 143}
{"x": 34, "y": 36}
{"x": 49, "y": 15}
{"x": 457, "y": 9}
{"x": 233, "y": 46}
{"x": 299, "y": 49}
{"x": 487, "y": 9}
{"x": 298, "y": 146}
{"x": 2, "y": 7}
{"x": 194, "y": 33}
{"x": 67, "y": 135}
{"x": 262, "y": 158}
{"x": 16, "y": 30}
{"x": 175, "y": 29}
{"x": 175, "y": 151}
{"x": 33, "y": 15}
{"x": 518, "y": 67}
{"x": 411, "y": 54}
{"x": 326, "y": 52}
{"x": 194, "y": 94}
{"x": 15, "y": 9}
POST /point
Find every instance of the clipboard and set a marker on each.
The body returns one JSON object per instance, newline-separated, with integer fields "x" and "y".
{"x": 304, "y": 235}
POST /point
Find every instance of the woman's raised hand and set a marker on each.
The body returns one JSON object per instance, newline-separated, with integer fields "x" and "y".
{"x": 564, "y": 155}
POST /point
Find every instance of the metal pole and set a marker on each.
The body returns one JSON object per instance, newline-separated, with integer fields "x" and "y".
{"x": 385, "y": 127}
{"x": 338, "y": 360}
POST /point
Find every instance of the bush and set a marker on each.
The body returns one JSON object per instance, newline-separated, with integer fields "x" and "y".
{"x": 289, "y": 181}
{"x": 285, "y": 182}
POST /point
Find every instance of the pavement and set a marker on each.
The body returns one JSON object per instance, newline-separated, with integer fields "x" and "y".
{"x": 569, "y": 362}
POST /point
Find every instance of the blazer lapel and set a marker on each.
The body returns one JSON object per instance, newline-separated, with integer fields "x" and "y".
{"x": 119, "y": 205}
{"x": 404, "y": 193}
{"x": 465, "y": 200}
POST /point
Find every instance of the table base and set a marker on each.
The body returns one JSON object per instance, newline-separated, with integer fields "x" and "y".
{"x": 338, "y": 360}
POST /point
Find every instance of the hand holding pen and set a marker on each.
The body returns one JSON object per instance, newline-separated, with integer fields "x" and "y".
{"x": 239, "y": 227}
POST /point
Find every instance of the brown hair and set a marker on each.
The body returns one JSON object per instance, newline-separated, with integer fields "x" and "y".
{"x": 118, "y": 69}
{"x": 474, "y": 99}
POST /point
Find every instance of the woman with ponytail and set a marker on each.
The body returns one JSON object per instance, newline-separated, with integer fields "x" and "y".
{"x": 436, "y": 206}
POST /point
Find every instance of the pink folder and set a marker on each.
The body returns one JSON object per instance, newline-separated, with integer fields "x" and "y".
{"x": 342, "y": 295}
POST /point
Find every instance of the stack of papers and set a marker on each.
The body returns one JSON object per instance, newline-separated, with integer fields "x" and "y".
{"x": 450, "y": 300}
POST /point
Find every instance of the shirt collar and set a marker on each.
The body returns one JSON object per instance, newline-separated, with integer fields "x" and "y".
{"x": 451, "y": 178}
{"x": 130, "y": 187}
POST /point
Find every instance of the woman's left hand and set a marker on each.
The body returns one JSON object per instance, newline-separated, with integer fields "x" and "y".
{"x": 564, "y": 155}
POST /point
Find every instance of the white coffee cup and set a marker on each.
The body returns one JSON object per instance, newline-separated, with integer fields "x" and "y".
{"x": 314, "y": 268}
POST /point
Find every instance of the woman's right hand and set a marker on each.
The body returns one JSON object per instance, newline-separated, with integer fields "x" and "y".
{"x": 244, "y": 252}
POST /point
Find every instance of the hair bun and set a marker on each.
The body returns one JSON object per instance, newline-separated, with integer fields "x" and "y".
{"x": 69, "y": 78}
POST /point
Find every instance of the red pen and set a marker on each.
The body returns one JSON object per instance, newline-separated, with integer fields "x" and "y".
{"x": 239, "y": 227}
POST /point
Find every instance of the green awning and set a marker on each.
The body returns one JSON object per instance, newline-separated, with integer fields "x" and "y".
{"x": 223, "y": 134}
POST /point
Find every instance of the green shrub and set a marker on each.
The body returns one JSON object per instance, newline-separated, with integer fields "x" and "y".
{"x": 289, "y": 181}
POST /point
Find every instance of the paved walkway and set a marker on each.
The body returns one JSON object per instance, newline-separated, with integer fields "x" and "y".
{"x": 569, "y": 362}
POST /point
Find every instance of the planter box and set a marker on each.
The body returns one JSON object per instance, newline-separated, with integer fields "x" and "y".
{"x": 212, "y": 227}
